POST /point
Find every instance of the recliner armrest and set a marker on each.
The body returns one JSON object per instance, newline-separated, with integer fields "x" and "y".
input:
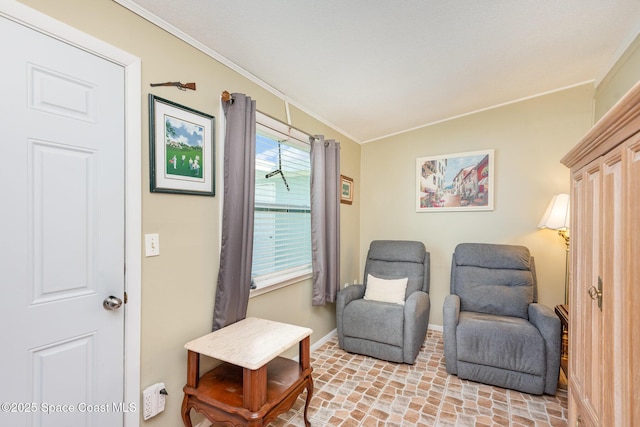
{"x": 416, "y": 321}
{"x": 546, "y": 321}
{"x": 450, "y": 316}
{"x": 344, "y": 297}
{"x": 350, "y": 293}
{"x": 417, "y": 304}
{"x": 548, "y": 324}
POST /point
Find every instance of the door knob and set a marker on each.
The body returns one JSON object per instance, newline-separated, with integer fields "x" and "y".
{"x": 596, "y": 293}
{"x": 111, "y": 303}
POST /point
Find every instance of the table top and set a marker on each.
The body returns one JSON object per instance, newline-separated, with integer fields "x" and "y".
{"x": 250, "y": 343}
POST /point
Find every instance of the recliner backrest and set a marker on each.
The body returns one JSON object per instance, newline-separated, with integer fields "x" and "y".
{"x": 494, "y": 279}
{"x": 397, "y": 259}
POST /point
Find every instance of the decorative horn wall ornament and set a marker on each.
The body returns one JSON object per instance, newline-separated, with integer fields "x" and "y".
{"x": 279, "y": 170}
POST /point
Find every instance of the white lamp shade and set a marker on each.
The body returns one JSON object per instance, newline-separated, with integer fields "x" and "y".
{"x": 556, "y": 217}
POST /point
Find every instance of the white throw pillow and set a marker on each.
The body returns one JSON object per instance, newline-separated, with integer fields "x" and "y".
{"x": 386, "y": 290}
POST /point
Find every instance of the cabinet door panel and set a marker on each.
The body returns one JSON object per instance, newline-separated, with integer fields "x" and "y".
{"x": 613, "y": 255}
{"x": 585, "y": 369}
{"x": 631, "y": 274}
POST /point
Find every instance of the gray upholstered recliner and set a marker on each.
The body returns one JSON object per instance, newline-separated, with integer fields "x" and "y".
{"x": 385, "y": 330}
{"x": 495, "y": 332}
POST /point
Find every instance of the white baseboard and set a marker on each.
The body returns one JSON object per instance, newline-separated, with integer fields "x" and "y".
{"x": 334, "y": 332}
{"x": 324, "y": 339}
{"x": 318, "y": 343}
{"x": 436, "y": 328}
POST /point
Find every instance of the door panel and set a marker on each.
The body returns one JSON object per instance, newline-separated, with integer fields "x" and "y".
{"x": 631, "y": 271}
{"x": 585, "y": 372}
{"x": 612, "y": 289}
{"x": 61, "y": 94}
{"x": 51, "y": 379}
{"x": 592, "y": 326}
{"x": 62, "y": 228}
{"x": 61, "y": 231}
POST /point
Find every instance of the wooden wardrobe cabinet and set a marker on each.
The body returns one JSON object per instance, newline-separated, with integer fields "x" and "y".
{"x": 604, "y": 296}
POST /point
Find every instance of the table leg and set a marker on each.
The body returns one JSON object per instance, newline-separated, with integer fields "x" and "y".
{"x": 186, "y": 417}
{"x": 193, "y": 368}
{"x": 193, "y": 375}
{"x": 305, "y": 353}
{"x": 308, "y": 400}
{"x": 305, "y": 363}
{"x": 254, "y": 385}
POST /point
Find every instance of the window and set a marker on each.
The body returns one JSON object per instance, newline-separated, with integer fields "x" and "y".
{"x": 282, "y": 216}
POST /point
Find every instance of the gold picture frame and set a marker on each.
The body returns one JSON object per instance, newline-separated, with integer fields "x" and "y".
{"x": 346, "y": 190}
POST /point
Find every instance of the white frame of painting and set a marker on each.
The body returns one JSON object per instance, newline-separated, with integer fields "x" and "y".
{"x": 454, "y": 192}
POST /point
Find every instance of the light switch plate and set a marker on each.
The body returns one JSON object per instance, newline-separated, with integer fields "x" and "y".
{"x": 152, "y": 244}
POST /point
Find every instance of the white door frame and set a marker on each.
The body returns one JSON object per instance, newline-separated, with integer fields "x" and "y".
{"x": 133, "y": 196}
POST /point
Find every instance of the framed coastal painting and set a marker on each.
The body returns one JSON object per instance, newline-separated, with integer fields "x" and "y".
{"x": 181, "y": 149}
{"x": 455, "y": 182}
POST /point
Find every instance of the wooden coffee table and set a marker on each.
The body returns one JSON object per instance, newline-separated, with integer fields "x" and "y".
{"x": 254, "y": 384}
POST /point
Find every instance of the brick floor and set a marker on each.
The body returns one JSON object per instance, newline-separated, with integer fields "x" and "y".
{"x": 351, "y": 390}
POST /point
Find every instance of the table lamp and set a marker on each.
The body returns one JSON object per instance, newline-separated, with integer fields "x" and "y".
{"x": 556, "y": 217}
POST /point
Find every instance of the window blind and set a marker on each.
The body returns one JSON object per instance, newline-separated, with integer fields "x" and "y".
{"x": 282, "y": 217}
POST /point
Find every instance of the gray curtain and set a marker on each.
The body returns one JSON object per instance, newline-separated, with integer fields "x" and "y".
{"x": 234, "y": 276}
{"x": 325, "y": 219}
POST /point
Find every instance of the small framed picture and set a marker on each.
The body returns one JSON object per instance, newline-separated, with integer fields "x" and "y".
{"x": 455, "y": 182}
{"x": 181, "y": 149}
{"x": 346, "y": 190}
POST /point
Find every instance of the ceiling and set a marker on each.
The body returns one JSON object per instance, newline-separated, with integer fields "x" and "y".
{"x": 373, "y": 68}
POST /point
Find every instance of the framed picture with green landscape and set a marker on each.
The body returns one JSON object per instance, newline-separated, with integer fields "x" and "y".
{"x": 182, "y": 152}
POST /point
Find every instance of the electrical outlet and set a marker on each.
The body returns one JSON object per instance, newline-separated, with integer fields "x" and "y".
{"x": 147, "y": 403}
{"x": 162, "y": 393}
{"x": 153, "y": 400}
{"x": 152, "y": 244}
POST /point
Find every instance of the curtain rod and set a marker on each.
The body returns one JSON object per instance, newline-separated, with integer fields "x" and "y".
{"x": 226, "y": 97}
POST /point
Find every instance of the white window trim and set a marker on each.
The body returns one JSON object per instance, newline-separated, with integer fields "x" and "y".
{"x": 280, "y": 279}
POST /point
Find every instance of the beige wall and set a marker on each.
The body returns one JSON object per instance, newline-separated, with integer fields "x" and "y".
{"x": 623, "y": 75}
{"x": 528, "y": 137}
{"x": 178, "y": 287}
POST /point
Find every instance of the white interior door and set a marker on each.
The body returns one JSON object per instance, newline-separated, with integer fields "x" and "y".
{"x": 61, "y": 233}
